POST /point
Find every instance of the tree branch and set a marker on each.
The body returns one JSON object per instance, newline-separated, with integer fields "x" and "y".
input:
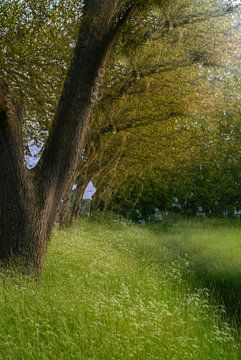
{"x": 99, "y": 29}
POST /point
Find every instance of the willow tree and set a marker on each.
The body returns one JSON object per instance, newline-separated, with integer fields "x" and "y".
{"x": 172, "y": 94}
{"x": 29, "y": 199}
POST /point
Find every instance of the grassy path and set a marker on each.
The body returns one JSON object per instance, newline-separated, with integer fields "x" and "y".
{"x": 111, "y": 291}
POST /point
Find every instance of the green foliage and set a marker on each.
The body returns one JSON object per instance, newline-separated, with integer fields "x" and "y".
{"x": 172, "y": 79}
{"x": 172, "y": 84}
{"x": 137, "y": 198}
{"x": 36, "y": 47}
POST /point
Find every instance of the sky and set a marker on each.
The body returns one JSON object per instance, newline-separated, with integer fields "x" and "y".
{"x": 33, "y": 157}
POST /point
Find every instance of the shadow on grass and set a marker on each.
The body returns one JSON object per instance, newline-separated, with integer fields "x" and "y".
{"x": 225, "y": 290}
{"x": 224, "y": 284}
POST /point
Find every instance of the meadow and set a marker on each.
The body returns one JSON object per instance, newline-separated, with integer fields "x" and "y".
{"x": 114, "y": 290}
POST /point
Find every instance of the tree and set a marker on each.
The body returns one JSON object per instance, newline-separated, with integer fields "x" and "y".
{"x": 37, "y": 44}
{"x": 29, "y": 199}
{"x": 148, "y": 88}
{"x": 170, "y": 104}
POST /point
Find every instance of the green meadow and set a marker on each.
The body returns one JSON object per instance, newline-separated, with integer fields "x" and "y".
{"x": 113, "y": 290}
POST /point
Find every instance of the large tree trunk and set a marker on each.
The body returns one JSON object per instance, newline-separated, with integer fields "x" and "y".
{"x": 29, "y": 199}
{"x": 20, "y": 226}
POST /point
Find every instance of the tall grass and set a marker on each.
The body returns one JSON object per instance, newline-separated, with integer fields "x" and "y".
{"x": 111, "y": 291}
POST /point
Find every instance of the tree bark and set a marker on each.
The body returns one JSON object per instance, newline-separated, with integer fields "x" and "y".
{"x": 29, "y": 199}
{"x": 75, "y": 213}
{"x": 64, "y": 211}
{"x": 20, "y": 229}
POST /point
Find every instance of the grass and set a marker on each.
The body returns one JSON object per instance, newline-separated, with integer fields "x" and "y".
{"x": 214, "y": 251}
{"x": 114, "y": 291}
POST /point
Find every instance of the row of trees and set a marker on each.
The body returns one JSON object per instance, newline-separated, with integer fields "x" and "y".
{"x": 30, "y": 199}
{"x": 184, "y": 141}
{"x": 164, "y": 107}
{"x": 162, "y": 73}
{"x": 209, "y": 177}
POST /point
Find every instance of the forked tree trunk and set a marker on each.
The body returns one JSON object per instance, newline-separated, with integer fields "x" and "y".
{"x": 29, "y": 199}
